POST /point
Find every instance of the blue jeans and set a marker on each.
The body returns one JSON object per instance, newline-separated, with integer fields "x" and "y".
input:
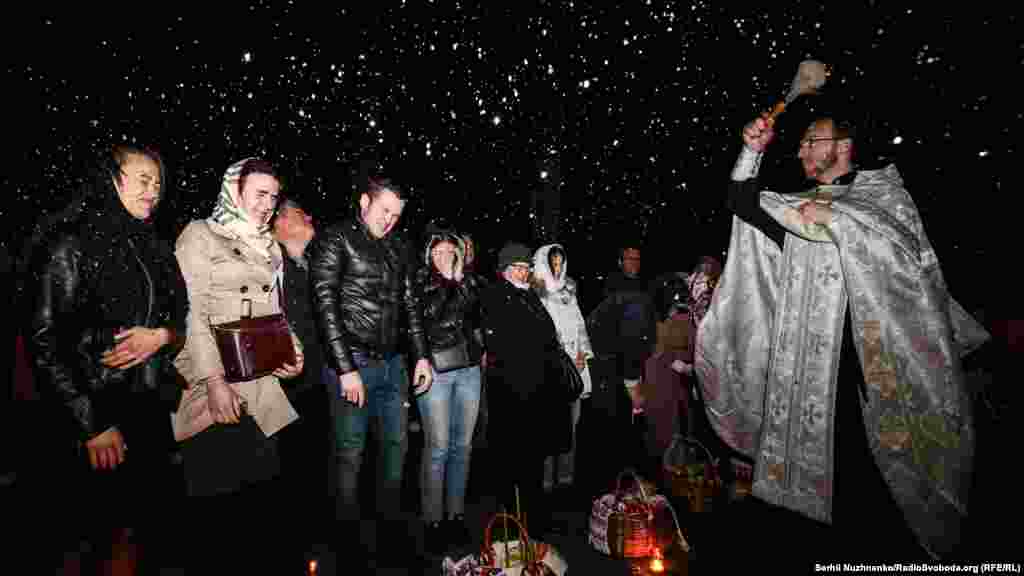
{"x": 386, "y": 384}
{"x": 448, "y": 411}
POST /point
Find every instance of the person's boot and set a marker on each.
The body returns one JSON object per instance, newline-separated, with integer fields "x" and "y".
{"x": 555, "y": 523}
{"x": 458, "y": 532}
{"x": 435, "y": 538}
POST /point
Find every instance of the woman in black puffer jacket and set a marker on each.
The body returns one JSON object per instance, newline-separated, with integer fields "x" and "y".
{"x": 449, "y": 409}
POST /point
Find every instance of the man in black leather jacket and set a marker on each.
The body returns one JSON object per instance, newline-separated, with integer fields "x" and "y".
{"x": 362, "y": 279}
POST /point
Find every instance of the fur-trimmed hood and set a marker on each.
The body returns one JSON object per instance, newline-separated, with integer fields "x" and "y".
{"x": 542, "y": 270}
{"x": 436, "y": 236}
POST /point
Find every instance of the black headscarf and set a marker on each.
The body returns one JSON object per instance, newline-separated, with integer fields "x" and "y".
{"x": 107, "y": 232}
{"x": 113, "y": 233}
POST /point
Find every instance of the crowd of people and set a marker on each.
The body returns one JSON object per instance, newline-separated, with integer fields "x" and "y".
{"x": 827, "y": 294}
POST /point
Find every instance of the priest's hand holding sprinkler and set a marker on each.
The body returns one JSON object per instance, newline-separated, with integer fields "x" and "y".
{"x": 810, "y": 77}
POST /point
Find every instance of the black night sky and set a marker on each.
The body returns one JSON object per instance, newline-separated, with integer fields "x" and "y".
{"x": 632, "y": 112}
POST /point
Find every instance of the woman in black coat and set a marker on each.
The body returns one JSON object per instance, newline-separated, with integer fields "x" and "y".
{"x": 107, "y": 306}
{"x": 530, "y": 416}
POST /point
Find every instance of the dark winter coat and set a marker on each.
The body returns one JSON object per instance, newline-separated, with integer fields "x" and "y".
{"x": 631, "y": 302}
{"x": 89, "y": 276}
{"x": 298, "y": 307}
{"x": 608, "y": 394}
{"x": 528, "y": 411}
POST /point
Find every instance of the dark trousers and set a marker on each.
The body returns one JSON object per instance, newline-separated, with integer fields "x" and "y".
{"x": 788, "y": 540}
{"x": 145, "y": 492}
{"x": 228, "y": 458}
{"x": 241, "y": 532}
{"x": 858, "y": 488}
{"x": 526, "y": 474}
{"x": 307, "y": 456}
{"x": 307, "y": 476}
{"x": 606, "y": 443}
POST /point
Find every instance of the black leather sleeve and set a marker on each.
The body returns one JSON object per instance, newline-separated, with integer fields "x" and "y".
{"x": 56, "y": 275}
{"x": 327, "y": 264}
{"x": 413, "y": 307}
{"x": 178, "y": 314}
{"x": 744, "y": 202}
{"x": 474, "y": 308}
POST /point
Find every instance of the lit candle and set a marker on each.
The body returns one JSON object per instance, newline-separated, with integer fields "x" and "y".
{"x": 519, "y": 512}
{"x": 505, "y": 520}
{"x": 313, "y": 568}
{"x": 657, "y": 566}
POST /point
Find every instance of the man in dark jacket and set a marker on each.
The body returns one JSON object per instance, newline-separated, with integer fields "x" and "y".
{"x": 632, "y": 299}
{"x": 629, "y": 317}
{"x": 362, "y": 280}
{"x": 306, "y": 446}
{"x": 604, "y": 425}
{"x": 530, "y": 417}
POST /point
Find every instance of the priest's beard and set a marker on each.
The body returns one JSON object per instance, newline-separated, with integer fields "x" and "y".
{"x": 816, "y": 168}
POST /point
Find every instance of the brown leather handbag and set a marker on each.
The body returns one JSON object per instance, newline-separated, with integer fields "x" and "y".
{"x": 250, "y": 347}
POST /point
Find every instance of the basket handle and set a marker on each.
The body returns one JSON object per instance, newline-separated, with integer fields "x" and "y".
{"x": 714, "y": 463}
{"x": 650, "y": 509}
{"x": 531, "y": 566}
{"x": 490, "y": 525}
{"x": 693, "y": 441}
{"x": 488, "y": 551}
{"x": 636, "y": 479}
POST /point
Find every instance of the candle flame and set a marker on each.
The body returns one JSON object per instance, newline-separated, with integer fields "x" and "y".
{"x": 312, "y": 567}
{"x": 657, "y": 566}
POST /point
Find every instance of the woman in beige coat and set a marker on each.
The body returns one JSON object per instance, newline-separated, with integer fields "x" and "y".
{"x": 227, "y": 429}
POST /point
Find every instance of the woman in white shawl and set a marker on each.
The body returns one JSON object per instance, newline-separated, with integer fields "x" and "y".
{"x": 558, "y": 294}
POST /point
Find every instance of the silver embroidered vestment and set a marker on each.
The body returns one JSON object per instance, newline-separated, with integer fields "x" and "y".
{"x": 768, "y": 353}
